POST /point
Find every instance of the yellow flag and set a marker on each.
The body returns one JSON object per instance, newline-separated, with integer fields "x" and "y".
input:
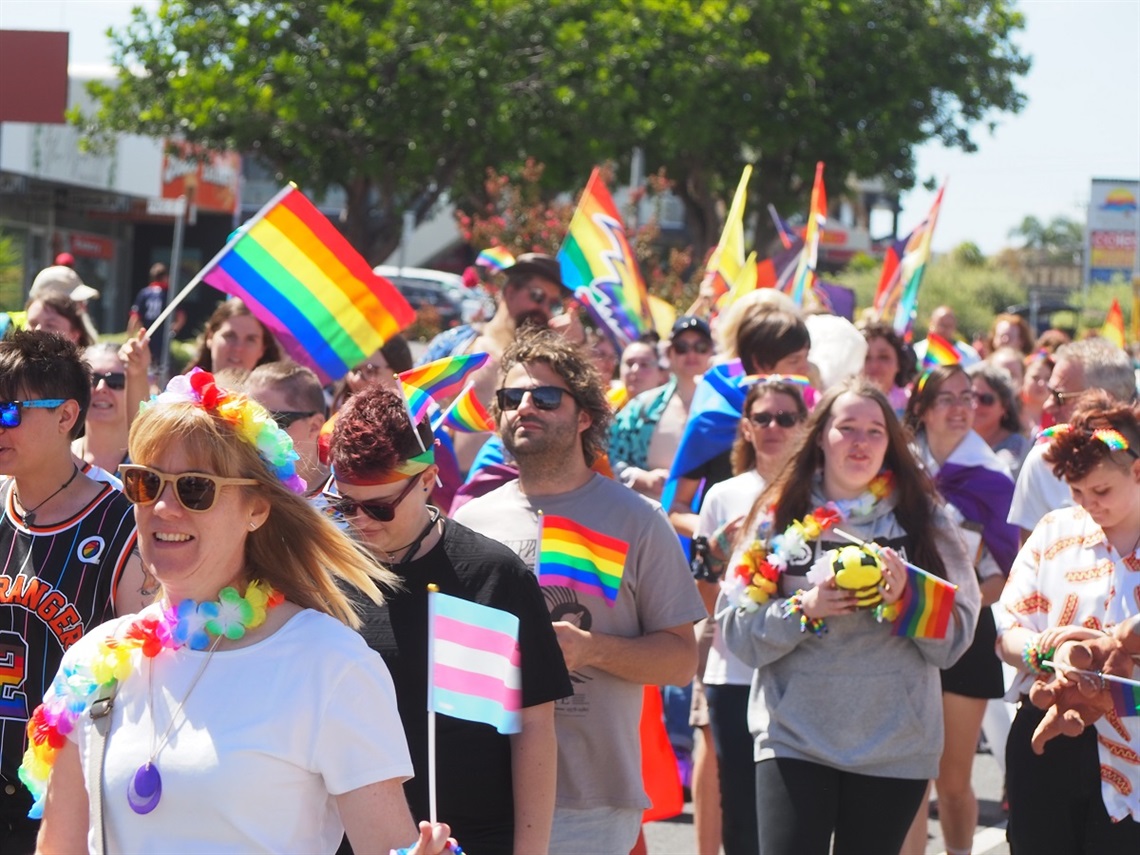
{"x": 745, "y": 282}
{"x": 727, "y": 259}
{"x": 1113, "y": 328}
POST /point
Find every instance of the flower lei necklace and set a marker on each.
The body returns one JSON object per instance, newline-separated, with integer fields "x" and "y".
{"x": 79, "y": 685}
{"x": 756, "y": 579}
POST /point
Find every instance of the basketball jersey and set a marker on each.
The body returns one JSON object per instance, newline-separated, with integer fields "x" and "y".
{"x": 56, "y": 583}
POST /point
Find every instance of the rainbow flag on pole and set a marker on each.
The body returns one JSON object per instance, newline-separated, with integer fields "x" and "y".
{"x": 1113, "y": 329}
{"x": 570, "y": 555}
{"x": 474, "y": 663}
{"x": 926, "y": 606}
{"x": 495, "y": 258}
{"x": 896, "y": 300}
{"x": 443, "y": 378}
{"x": 304, "y": 281}
{"x": 466, "y": 414}
{"x": 419, "y": 402}
{"x": 1125, "y": 695}
{"x": 599, "y": 267}
{"x": 806, "y": 279}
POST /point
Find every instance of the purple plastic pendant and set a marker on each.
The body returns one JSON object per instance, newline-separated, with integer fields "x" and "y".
{"x": 145, "y": 789}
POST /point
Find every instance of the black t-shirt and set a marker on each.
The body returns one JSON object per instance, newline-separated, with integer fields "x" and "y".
{"x": 712, "y": 472}
{"x": 473, "y": 776}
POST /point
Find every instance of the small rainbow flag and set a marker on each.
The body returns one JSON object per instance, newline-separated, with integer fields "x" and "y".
{"x": 419, "y": 402}
{"x": 806, "y": 278}
{"x": 474, "y": 663}
{"x": 443, "y": 378}
{"x": 570, "y": 555}
{"x": 304, "y": 281}
{"x": 466, "y": 414}
{"x": 939, "y": 351}
{"x": 926, "y": 606}
{"x": 598, "y": 265}
{"x": 495, "y": 258}
{"x": 896, "y": 299}
{"x": 1113, "y": 329}
{"x": 1125, "y": 695}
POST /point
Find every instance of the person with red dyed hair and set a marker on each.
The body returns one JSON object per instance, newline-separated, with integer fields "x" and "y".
{"x": 1076, "y": 578}
{"x": 495, "y": 791}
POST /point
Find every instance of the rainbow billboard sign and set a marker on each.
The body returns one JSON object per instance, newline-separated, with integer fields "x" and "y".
{"x": 1113, "y": 231}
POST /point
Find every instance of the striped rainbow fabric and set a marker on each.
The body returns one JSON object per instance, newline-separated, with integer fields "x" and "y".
{"x": 495, "y": 258}
{"x": 444, "y": 378}
{"x": 570, "y": 555}
{"x": 467, "y": 415}
{"x": 806, "y": 278}
{"x": 419, "y": 402}
{"x": 474, "y": 662}
{"x": 598, "y": 265}
{"x": 926, "y": 606}
{"x": 304, "y": 281}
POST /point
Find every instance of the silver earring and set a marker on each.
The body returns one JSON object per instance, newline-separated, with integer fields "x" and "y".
{"x": 253, "y": 526}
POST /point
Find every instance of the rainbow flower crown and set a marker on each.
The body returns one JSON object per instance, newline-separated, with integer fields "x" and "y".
{"x": 250, "y": 420}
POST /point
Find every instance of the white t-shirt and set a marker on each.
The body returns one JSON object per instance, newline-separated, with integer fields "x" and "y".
{"x": 266, "y": 739}
{"x": 1037, "y": 492}
{"x": 727, "y": 501}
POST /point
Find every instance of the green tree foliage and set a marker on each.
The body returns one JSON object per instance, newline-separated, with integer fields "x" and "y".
{"x": 1060, "y": 241}
{"x": 401, "y": 101}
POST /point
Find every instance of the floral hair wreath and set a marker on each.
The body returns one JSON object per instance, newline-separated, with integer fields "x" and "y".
{"x": 251, "y": 421}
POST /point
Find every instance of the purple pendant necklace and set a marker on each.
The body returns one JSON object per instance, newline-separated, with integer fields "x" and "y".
{"x": 145, "y": 788}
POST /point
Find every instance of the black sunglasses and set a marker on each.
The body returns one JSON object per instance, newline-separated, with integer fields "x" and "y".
{"x": 986, "y": 399}
{"x": 700, "y": 346}
{"x": 284, "y": 418}
{"x": 379, "y": 511}
{"x": 554, "y": 304}
{"x": 1059, "y": 397}
{"x": 783, "y": 419}
{"x": 116, "y": 380}
{"x": 543, "y": 397}
{"x": 195, "y": 491}
{"x": 10, "y": 410}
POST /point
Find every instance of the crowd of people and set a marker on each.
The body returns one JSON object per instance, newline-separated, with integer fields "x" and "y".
{"x": 214, "y": 600}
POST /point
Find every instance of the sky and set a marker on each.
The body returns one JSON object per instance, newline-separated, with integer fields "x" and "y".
{"x": 1082, "y": 119}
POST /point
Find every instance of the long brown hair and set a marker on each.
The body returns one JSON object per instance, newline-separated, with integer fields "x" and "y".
{"x": 790, "y": 492}
{"x": 298, "y": 550}
{"x": 227, "y": 309}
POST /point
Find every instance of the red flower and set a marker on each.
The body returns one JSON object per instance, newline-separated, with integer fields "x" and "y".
{"x": 768, "y": 571}
{"x": 202, "y": 382}
{"x": 827, "y": 517}
{"x": 153, "y": 634}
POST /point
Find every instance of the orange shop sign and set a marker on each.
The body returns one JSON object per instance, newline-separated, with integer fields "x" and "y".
{"x": 207, "y": 178}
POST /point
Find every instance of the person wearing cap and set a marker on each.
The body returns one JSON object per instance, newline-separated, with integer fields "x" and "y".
{"x": 645, "y": 434}
{"x": 149, "y": 303}
{"x": 61, "y": 281}
{"x": 495, "y": 791}
{"x": 533, "y": 295}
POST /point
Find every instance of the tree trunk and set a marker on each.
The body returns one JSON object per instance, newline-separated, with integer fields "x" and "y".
{"x": 701, "y": 216}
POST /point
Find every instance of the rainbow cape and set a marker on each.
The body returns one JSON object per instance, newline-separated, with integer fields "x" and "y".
{"x": 926, "y": 606}
{"x": 443, "y": 378}
{"x": 896, "y": 300}
{"x": 304, "y": 281}
{"x": 598, "y": 265}
{"x": 570, "y": 555}
{"x": 466, "y": 414}
{"x": 495, "y": 258}
{"x": 806, "y": 279}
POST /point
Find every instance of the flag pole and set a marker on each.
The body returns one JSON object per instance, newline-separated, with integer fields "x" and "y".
{"x": 443, "y": 416}
{"x": 432, "y": 589}
{"x": 913, "y": 567}
{"x": 412, "y": 419}
{"x": 1100, "y": 675}
{"x": 213, "y": 262}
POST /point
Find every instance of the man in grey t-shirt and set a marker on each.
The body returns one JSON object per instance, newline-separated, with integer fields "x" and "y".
{"x": 553, "y": 417}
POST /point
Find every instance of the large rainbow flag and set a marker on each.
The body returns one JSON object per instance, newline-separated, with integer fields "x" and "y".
{"x": 443, "y": 378}
{"x": 806, "y": 278}
{"x": 926, "y": 606}
{"x": 304, "y": 281}
{"x": 896, "y": 300}
{"x": 599, "y": 267}
{"x": 570, "y": 555}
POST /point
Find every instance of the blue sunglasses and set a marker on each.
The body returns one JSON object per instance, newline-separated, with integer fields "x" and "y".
{"x": 10, "y": 410}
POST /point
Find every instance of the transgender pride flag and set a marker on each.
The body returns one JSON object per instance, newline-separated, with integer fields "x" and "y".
{"x": 473, "y": 662}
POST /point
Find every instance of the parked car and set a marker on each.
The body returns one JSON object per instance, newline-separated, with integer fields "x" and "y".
{"x": 444, "y": 291}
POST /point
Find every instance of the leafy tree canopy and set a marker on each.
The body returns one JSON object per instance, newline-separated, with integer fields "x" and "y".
{"x": 402, "y": 101}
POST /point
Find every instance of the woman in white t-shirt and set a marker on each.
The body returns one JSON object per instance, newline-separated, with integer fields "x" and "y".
{"x": 240, "y": 712}
{"x": 774, "y": 413}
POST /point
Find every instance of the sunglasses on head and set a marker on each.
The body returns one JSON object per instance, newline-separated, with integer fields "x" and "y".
{"x": 114, "y": 379}
{"x": 10, "y": 410}
{"x": 700, "y": 346}
{"x": 377, "y": 510}
{"x": 284, "y": 418}
{"x": 195, "y": 491}
{"x": 543, "y": 397}
{"x": 783, "y": 419}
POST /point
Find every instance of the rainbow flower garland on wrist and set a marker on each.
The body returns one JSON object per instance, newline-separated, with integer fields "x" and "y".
{"x": 757, "y": 578}
{"x": 76, "y": 687}
{"x": 250, "y": 420}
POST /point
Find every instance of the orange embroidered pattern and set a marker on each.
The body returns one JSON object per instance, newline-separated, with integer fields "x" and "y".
{"x": 1122, "y": 752}
{"x": 1061, "y": 544}
{"x": 1035, "y": 602}
{"x": 1116, "y": 779}
{"x": 1069, "y": 610}
{"x": 1090, "y": 574}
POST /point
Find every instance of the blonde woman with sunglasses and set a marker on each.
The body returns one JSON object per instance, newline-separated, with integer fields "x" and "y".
{"x": 239, "y": 712}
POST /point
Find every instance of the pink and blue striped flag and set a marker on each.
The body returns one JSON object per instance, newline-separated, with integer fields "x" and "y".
{"x": 474, "y": 663}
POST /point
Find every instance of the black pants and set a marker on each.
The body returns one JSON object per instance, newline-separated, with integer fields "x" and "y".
{"x": 799, "y": 805}
{"x": 728, "y": 718}
{"x": 1055, "y": 803}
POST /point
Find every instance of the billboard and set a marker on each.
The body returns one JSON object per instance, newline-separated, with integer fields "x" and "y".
{"x": 208, "y": 179}
{"x": 1111, "y": 237}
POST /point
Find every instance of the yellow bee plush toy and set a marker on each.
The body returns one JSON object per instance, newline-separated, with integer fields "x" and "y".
{"x": 860, "y": 570}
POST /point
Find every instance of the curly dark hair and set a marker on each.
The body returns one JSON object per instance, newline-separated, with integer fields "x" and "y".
{"x": 1075, "y": 452}
{"x": 577, "y": 371}
{"x": 903, "y": 351}
{"x": 373, "y": 435}
{"x": 42, "y": 364}
{"x": 790, "y": 493}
